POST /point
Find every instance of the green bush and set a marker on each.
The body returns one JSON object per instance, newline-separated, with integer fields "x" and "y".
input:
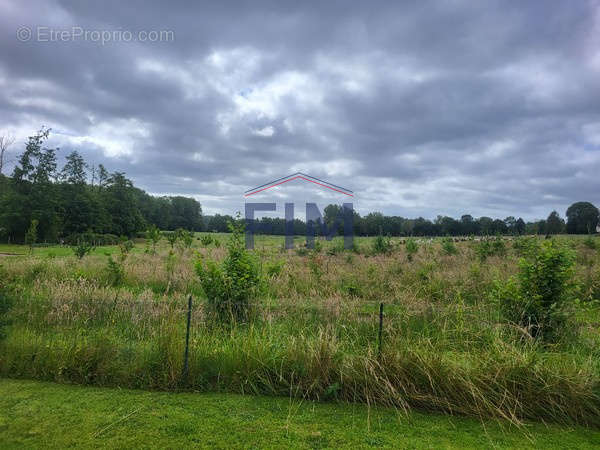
{"x": 115, "y": 272}
{"x": 172, "y": 237}
{"x": 206, "y": 240}
{"x": 382, "y": 244}
{"x": 185, "y": 239}
{"x": 411, "y": 248}
{"x": 230, "y": 285}
{"x": 542, "y": 294}
{"x": 125, "y": 246}
{"x": 523, "y": 245}
{"x": 448, "y": 247}
{"x": 490, "y": 247}
{"x": 31, "y": 235}
{"x": 153, "y": 235}
{"x": 82, "y": 248}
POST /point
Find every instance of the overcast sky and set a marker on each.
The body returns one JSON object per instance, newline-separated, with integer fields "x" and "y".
{"x": 421, "y": 108}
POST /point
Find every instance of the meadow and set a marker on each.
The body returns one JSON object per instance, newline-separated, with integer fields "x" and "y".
{"x": 117, "y": 317}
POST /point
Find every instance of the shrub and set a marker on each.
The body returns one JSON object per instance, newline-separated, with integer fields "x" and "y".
{"x": 382, "y": 244}
{"x": 523, "y": 245}
{"x": 230, "y": 285}
{"x": 490, "y": 247}
{"x": 411, "y": 248}
{"x": 540, "y": 296}
{"x": 82, "y": 248}
{"x": 125, "y": 246}
{"x": 153, "y": 236}
{"x": 448, "y": 247}
{"x": 206, "y": 240}
{"x": 171, "y": 237}
{"x": 115, "y": 272}
{"x": 188, "y": 238}
{"x": 185, "y": 239}
{"x": 31, "y": 235}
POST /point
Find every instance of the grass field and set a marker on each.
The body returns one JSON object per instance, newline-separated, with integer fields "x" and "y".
{"x": 313, "y": 331}
{"x": 43, "y": 415}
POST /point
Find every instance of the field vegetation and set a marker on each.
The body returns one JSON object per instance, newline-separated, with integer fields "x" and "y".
{"x": 489, "y": 327}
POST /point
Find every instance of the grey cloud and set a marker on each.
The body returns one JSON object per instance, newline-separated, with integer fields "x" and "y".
{"x": 422, "y": 108}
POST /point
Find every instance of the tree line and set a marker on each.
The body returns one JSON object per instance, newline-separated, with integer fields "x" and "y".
{"x": 582, "y": 218}
{"x": 81, "y": 199}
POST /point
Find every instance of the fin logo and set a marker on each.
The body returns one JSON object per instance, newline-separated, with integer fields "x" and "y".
{"x": 314, "y": 218}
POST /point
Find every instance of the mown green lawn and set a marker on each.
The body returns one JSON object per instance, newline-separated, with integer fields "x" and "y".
{"x": 47, "y": 415}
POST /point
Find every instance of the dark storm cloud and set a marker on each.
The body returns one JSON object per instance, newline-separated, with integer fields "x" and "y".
{"x": 451, "y": 107}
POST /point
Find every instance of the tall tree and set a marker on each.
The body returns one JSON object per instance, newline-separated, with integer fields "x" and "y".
{"x": 554, "y": 223}
{"x": 510, "y": 223}
{"x": 121, "y": 204}
{"x": 74, "y": 171}
{"x": 582, "y": 218}
{"x": 34, "y": 196}
{"x": 77, "y": 199}
{"x": 519, "y": 227}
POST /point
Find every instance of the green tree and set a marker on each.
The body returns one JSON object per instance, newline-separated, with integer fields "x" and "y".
{"x": 582, "y": 218}
{"x": 34, "y": 194}
{"x": 543, "y": 291}
{"x": 153, "y": 235}
{"x": 121, "y": 204}
{"x": 74, "y": 171}
{"x": 519, "y": 226}
{"x": 31, "y": 235}
{"x": 229, "y": 286}
{"x": 82, "y": 248}
{"x": 554, "y": 224}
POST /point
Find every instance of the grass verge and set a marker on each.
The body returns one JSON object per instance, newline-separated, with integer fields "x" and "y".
{"x": 39, "y": 414}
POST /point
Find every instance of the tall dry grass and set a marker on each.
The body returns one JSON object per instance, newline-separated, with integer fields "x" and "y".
{"x": 313, "y": 331}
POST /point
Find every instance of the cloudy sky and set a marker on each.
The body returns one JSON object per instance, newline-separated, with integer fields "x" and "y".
{"x": 421, "y": 108}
